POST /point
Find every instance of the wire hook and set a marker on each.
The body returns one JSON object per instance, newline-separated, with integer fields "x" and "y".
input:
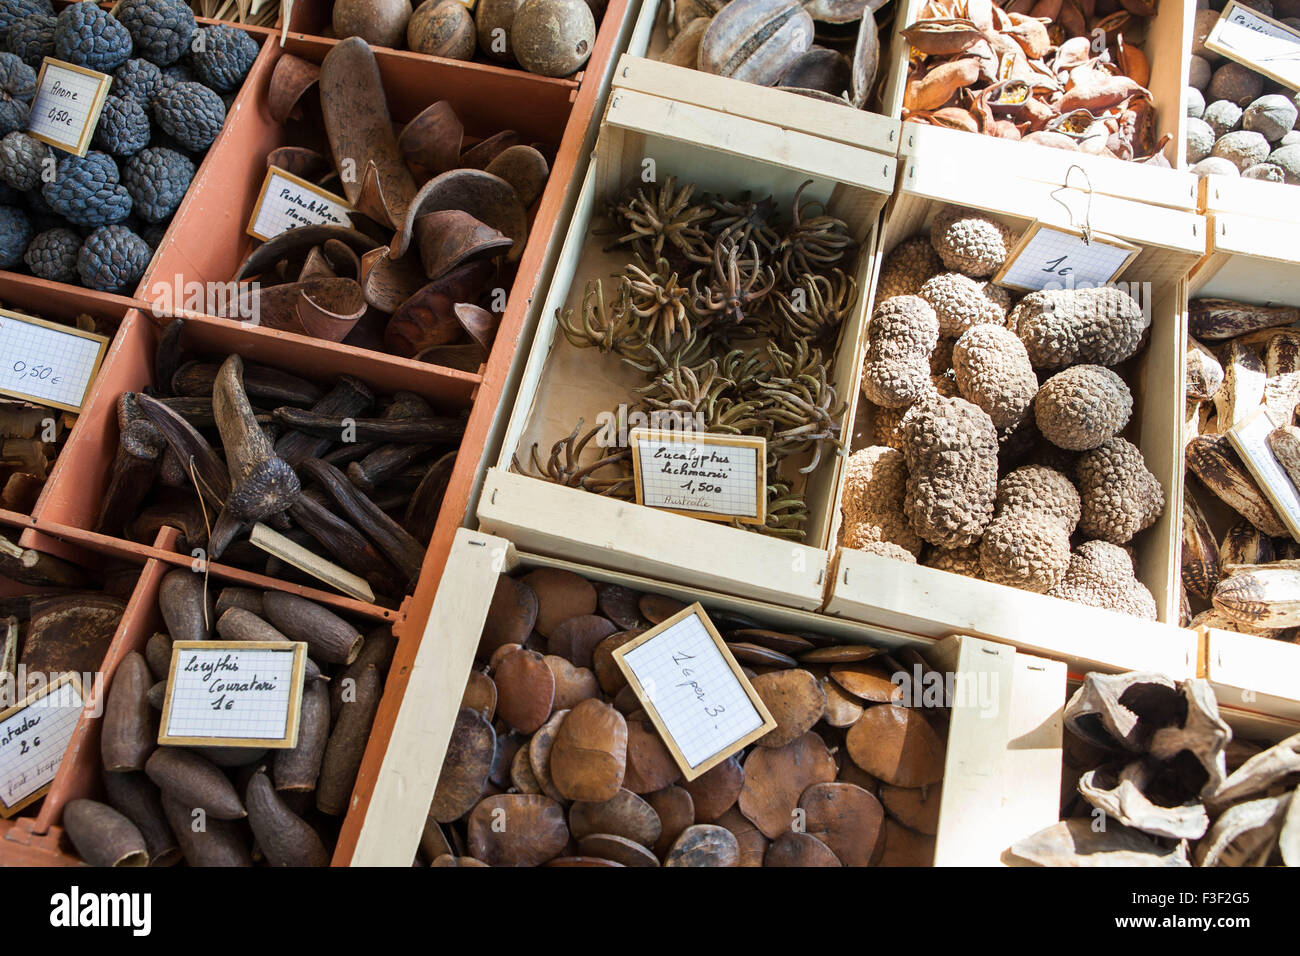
{"x": 1086, "y": 229}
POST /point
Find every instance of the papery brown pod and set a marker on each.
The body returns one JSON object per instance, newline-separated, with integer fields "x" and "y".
{"x": 428, "y": 318}
{"x": 479, "y": 324}
{"x": 755, "y": 40}
{"x": 321, "y": 308}
{"x": 1071, "y": 19}
{"x": 431, "y": 142}
{"x": 463, "y": 358}
{"x": 1031, "y": 34}
{"x": 342, "y": 258}
{"x": 316, "y": 266}
{"x": 1099, "y": 92}
{"x": 451, "y": 237}
{"x": 387, "y": 283}
{"x": 290, "y": 80}
{"x": 840, "y": 11}
{"x": 489, "y": 199}
{"x": 954, "y": 117}
{"x": 944, "y": 36}
{"x": 302, "y": 162}
{"x": 298, "y": 242}
{"x": 370, "y": 201}
{"x": 484, "y": 151}
{"x": 1132, "y": 62}
{"x": 819, "y": 69}
{"x": 1071, "y": 54}
{"x": 938, "y": 86}
{"x": 524, "y": 168}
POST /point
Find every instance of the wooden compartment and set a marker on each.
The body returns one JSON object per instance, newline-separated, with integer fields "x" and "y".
{"x": 931, "y": 602}
{"x": 560, "y": 384}
{"x": 1168, "y": 48}
{"x": 992, "y": 744}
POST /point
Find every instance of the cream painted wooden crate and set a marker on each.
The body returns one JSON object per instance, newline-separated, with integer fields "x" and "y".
{"x": 927, "y": 601}
{"x": 560, "y": 384}
{"x": 1003, "y": 763}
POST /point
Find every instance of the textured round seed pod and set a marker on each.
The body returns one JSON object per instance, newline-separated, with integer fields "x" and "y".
{"x": 1101, "y": 575}
{"x": 191, "y": 113}
{"x": 1042, "y": 490}
{"x": 157, "y": 180}
{"x": 1119, "y": 495}
{"x": 1268, "y": 172}
{"x": 112, "y": 259}
{"x": 965, "y": 561}
{"x": 223, "y": 56}
{"x": 969, "y": 242}
{"x": 872, "y": 501}
{"x": 53, "y": 255}
{"x": 1200, "y": 140}
{"x": 1236, "y": 83}
{"x": 756, "y": 40}
{"x": 123, "y": 128}
{"x": 442, "y": 28}
{"x": 854, "y": 538}
{"x": 102, "y": 836}
{"x": 17, "y": 87}
{"x": 161, "y": 29}
{"x": 1271, "y": 116}
{"x": 378, "y": 22}
{"x": 139, "y": 79}
{"x": 492, "y": 22}
{"x": 1026, "y": 550}
{"x": 87, "y": 191}
{"x": 1243, "y": 149}
{"x": 1060, "y": 327}
{"x": 552, "y": 37}
{"x": 22, "y": 161}
{"x": 951, "y": 448}
{"x": 907, "y": 268}
{"x": 1223, "y": 116}
{"x": 1195, "y": 103}
{"x": 1082, "y": 407}
{"x": 960, "y": 302}
{"x": 993, "y": 371}
{"x": 1215, "y": 166}
{"x": 1288, "y": 159}
{"x": 900, "y": 337}
{"x": 1198, "y": 75}
{"x": 11, "y": 11}
{"x": 31, "y": 39}
{"x": 177, "y": 73}
{"x": 15, "y": 236}
{"x": 88, "y": 36}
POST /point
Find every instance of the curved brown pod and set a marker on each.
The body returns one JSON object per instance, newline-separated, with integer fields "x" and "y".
{"x": 134, "y": 796}
{"x": 127, "y": 738}
{"x": 376, "y": 651}
{"x": 103, "y": 836}
{"x": 328, "y": 637}
{"x": 186, "y": 608}
{"x": 284, "y": 838}
{"x": 755, "y": 40}
{"x": 486, "y": 197}
{"x": 195, "y": 781}
{"x": 290, "y": 80}
{"x": 211, "y": 842}
{"x": 298, "y": 769}
{"x": 347, "y": 745}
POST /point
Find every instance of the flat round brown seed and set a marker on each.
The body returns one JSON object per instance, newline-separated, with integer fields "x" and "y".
{"x": 842, "y": 708}
{"x": 501, "y": 653}
{"x": 539, "y": 754}
{"x": 773, "y": 640}
{"x": 904, "y": 847}
{"x": 525, "y": 690}
{"x": 589, "y": 757}
{"x": 799, "y": 849}
{"x": 917, "y": 809}
{"x": 625, "y": 815}
{"x": 577, "y": 637}
{"x": 757, "y": 656}
{"x": 775, "y": 777}
{"x": 511, "y": 616}
{"x": 522, "y": 777}
{"x": 433, "y": 842}
{"x": 866, "y": 683}
{"x": 650, "y": 765}
{"x": 560, "y": 596}
{"x": 795, "y": 700}
{"x": 619, "y": 604}
{"x": 581, "y": 861}
{"x": 716, "y": 790}
{"x": 656, "y": 607}
{"x": 572, "y": 684}
{"x": 465, "y": 768}
{"x": 480, "y": 694}
{"x": 617, "y": 848}
{"x": 839, "y": 654}
{"x": 508, "y": 745}
{"x": 750, "y": 839}
{"x": 602, "y": 661}
{"x": 626, "y": 702}
{"x": 852, "y": 773}
{"x": 448, "y": 860}
{"x": 517, "y": 829}
{"x": 896, "y": 745}
{"x": 676, "y": 812}
{"x": 704, "y": 845}
{"x": 844, "y": 817}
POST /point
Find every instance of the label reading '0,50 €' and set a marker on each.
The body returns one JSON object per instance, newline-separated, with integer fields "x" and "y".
{"x": 46, "y": 363}
{"x": 67, "y": 105}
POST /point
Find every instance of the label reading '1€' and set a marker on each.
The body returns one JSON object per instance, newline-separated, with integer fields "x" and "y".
{"x": 1058, "y": 257}
{"x": 68, "y": 102}
{"x": 234, "y": 694}
{"x": 47, "y": 363}
{"x": 288, "y": 202}
{"x": 1259, "y": 42}
{"x": 716, "y": 477}
{"x": 33, "y": 737}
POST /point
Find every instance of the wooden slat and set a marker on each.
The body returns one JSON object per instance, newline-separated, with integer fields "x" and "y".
{"x": 1251, "y": 197}
{"x": 1255, "y": 674}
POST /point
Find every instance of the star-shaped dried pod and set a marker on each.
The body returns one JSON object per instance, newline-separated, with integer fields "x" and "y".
{"x": 1122, "y": 711}
{"x": 1122, "y": 796}
{"x": 488, "y": 198}
{"x": 1075, "y": 843}
{"x": 1246, "y": 834}
{"x": 1259, "y": 773}
{"x": 291, "y": 79}
{"x": 1202, "y": 732}
{"x": 431, "y": 142}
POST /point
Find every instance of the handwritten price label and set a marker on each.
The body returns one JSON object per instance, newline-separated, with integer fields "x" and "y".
{"x": 33, "y": 738}
{"x": 68, "y": 102}
{"x": 46, "y": 363}
{"x": 694, "y": 691}
{"x": 287, "y": 202}
{"x": 1054, "y": 257}
{"x": 233, "y": 694}
{"x": 1259, "y": 42}
{"x": 717, "y": 477}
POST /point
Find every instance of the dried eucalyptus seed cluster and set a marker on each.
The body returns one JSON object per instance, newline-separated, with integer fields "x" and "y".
{"x": 732, "y": 315}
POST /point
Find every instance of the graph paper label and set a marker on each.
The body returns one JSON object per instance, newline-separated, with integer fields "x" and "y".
{"x": 694, "y": 691}
{"x": 1259, "y": 42}
{"x": 47, "y": 363}
{"x": 719, "y": 477}
{"x": 33, "y": 738}
{"x": 288, "y": 202}
{"x": 233, "y": 694}
{"x": 1055, "y": 257}
{"x": 68, "y": 102}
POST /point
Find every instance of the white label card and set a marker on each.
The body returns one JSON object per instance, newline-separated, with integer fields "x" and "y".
{"x": 1056, "y": 257}
{"x": 694, "y": 691}
{"x": 233, "y": 694}
{"x": 1250, "y": 439}
{"x": 33, "y": 738}
{"x": 1258, "y": 42}
{"x": 67, "y": 105}
{"x": 47, "y": 363}
{"x": 718, "y": 477}
{"x": 288, "y": 202}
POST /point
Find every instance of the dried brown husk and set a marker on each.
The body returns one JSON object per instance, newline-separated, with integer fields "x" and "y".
{"x": 560, "y": 595}
{"x": 716, "y": 790}
{"x": 510, "y": 617}
{"x": 704, "y": 845}
{"x": 650, "y": 765}
{"x": 676, "y": 811}
{"x": 525, "y": 690}
{"x": 896, "y": 745}
{"x": 619, "y": 604}
{"x": 795, "y": 700}
{"x": 589, "y": 757}
{"x": 900, "y": 846}
{"x": 917, "y": 808}
{"x": 775, "y": 778}
{"x": 572, "y": 684}
{"x": 625, "y": 815}
{"x": 577, "y": 637}
{"x": 610, "y": 846}
{"x": 846, "y": 818}
{"x": 535, "y": 830}
{"x": 608, "y": 673}
{"x": 465, "y": 768}
{"x": 942, "y": 36}
{"x": 539, "y": 754}
{"x": 867, "y": 682}
{"x": 797, "y": 849}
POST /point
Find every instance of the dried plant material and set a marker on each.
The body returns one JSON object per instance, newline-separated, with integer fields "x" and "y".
{"x": 560, "y": 595}
{"x": 915, "y": 808}
{"x": 1245, "y": 834}
{"x": 447, "y": 860}
{"x": 1288, "y": 841}
{"x": 1284, "y": 443}
{"x": 749, "y": 839}
{"x": 773, "y": 640}
{"x": 1122, "y": 711}
{"x": 1203, "y": 733}
{"x": 589, "y": 757}
{"x": 1121, "y": 796}
{"x": 866, "y": 682}
{"x": 704, "y": 845}
{"x": 839, "y": 654}
{"x": 846, "y": 818}
{"x": 799, "y": 849}
{"x": 755, "y": 40}
{"x": 1266, "y": 596}
{"x": 480, "y": 695}
{"x": 796, "y": 702}
{"x": 619, "y": 604}
{"x": 621, "y": 850}
{"x": 675, "y": 811}
{"x": 1242, "y": 391}
{"x": 716, "y": 790}
{"x": 1212, "y": 459}
{"x": 625, "y": 815}
{"x": 525, "y": 690}
{"x": 896, "y": 745}
{"x": 942, "y": 36}
{"x": 1204, "y": 372}
{"x": 1200, "y": 551}
{"x": 515, "y": 829}
{"x": 1214, "y": 320}
{"x": 522, "y": 777}
{"x": 539, "y": 755}
{"x": 1075, "y": 843}
{"x": 842, "y": 708}
{"x": 656, "y": 608}
{"x": 756, "y": 656}
{"x": 572, "y": 684}
{"x": 1259, "y": 772}
{"x": 577, "y": 637}
{"x": 650, "y": 765}
{"x": 776, "y": 777}
{"x": 465, "y": 768}
{"x": 608, "y": 674}
{"x": 510, "y": 618}
{"x": 900, "y": 846}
